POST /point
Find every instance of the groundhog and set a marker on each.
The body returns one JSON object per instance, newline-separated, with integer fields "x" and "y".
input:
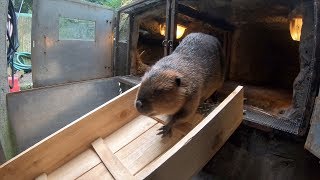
{"x": 179, "y": 82}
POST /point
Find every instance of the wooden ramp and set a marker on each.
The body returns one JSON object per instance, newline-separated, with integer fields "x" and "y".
{"x": 115, "y": 142}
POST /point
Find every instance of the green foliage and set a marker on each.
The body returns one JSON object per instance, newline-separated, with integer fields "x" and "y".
{"x": 115, "y": 4}
{"x": 109, "y": 3}
{"x": 26, "y": 6}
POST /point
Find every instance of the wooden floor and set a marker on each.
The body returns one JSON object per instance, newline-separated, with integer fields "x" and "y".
{"x": 271, "y": 100}
{"x": 131, "y": 151}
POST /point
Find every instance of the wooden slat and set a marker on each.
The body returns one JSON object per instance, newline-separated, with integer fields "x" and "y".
{"x": 42, "y": 177}
{"x": 89, "y": 159}
{"x": 194, "y": 150}
{"x": 70, "y": 141}
{"x": 112, "y": 163}
{"x": 99, "y": 172}
{"x": 163, "y": 119}
{"x": 77, "y": 166}
{"x": 146, "y": 148}
{"x": 129, "y": 132}
{"x": 183, "y": 128}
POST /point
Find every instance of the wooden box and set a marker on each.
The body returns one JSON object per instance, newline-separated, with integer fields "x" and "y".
{"x": 115, "y": 142}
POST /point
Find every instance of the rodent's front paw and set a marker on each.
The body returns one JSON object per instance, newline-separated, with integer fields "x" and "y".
{"x": 165, "y": 131}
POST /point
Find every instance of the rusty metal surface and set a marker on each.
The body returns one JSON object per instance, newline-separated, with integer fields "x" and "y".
{"x": 37, "y": 113}
{"x": 313, "y": 139}
{"x": 313, "y": 76}
{"x": 122, "y": 57}
{"x": 130, "y": 80}
{"x": 56, "y": 61}
{"x": 2, "y": 158}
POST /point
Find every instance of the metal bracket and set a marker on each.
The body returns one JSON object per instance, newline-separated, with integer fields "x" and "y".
{"x": 171, "y": 26}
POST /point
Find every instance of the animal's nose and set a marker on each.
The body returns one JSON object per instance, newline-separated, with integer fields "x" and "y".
{"x": 139, "y": 105}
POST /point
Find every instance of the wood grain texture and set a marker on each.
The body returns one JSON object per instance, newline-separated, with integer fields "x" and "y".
{"x": 129, "y": 132}
{"x": 70, "y": 141}
{"x": 77, "y": 166}
{"x": 139, "y": 150}
{"x": 89, "y": 159}
{"x": 184, "y": 128}
{"x": 194, "y": 150}
{"x": 112, "y": 163}
{"x": 99, "y": 172}
{"x": 146, "y": 148}
{"x": 42, "y": 177}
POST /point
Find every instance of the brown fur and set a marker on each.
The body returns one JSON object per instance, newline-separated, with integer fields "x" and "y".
{"x": 178, "y": 83}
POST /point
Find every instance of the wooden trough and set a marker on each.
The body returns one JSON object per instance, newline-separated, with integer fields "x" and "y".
{"x": 115, "y": 142}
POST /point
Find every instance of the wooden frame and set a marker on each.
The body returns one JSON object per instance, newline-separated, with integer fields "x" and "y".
{"x": 130, "y": 148}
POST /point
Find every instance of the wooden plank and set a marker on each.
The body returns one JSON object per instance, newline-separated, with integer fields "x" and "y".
{"x": 77, "y": 166}
{"x": 129, "y": 132}
{"x": 42, "y": 177}
{"x": 113, "y": 164}
{"x": 194, "y": 150}
{"x": 89, "y": 159}
{"x": 163, "y": 119}
{"x": 70, "y": 141}
{"x": 146, "y": 148}
{"x": 99, "y": 172}
{"x": 183, "y": 128}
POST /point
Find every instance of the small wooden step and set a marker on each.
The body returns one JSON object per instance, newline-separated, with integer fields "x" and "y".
{"x": 113, "y": 164}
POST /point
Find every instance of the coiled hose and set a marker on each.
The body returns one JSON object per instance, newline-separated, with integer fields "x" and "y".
{"x": 22, "y": 62}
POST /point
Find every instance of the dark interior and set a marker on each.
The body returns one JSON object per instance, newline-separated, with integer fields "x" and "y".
{"x": 259, "y": 50}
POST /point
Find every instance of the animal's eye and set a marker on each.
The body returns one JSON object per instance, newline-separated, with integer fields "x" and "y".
{"x": 157, "y": 92}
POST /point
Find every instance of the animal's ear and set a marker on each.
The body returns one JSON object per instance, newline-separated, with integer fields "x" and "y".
{"x": 148, "y": 68}
{"x": 178, "y": 81}
{"x": 175, "y": 77}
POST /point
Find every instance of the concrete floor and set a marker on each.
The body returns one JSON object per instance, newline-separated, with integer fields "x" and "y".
{"x": 26, "y": 81}
{"x": 253, "y": 154}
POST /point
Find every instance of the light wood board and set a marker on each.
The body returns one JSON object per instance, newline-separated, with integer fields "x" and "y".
{"x": 129, "y": 132}
{"x": 195, "y": 149}
{"x": 146, "y": 148}
{"x": 77, "y": 166}
{"x": 70, "y": 141}
{"x": 89, "y": 159}
{"x": 131, "y": 144}
{"x": 113, "y": 164}
{"x": 99, "y": 172}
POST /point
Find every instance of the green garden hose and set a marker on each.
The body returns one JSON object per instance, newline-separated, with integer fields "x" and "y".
{"x": 22, "y": 61}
